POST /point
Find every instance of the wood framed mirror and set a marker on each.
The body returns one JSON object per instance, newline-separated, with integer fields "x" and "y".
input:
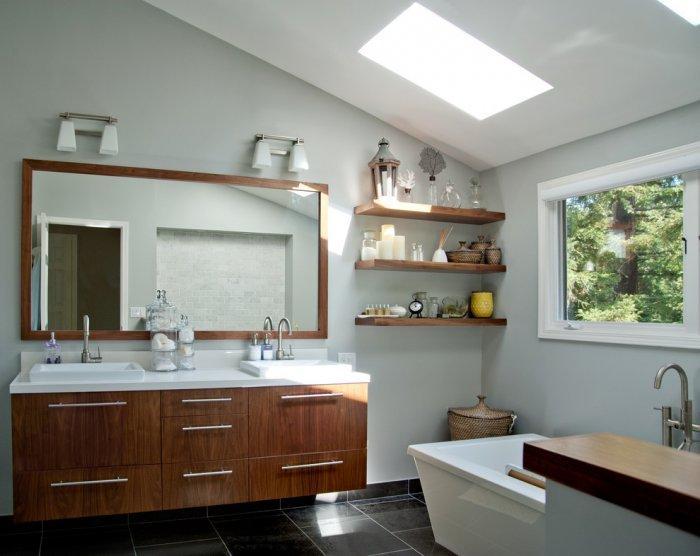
{"x": 228, "y": 250}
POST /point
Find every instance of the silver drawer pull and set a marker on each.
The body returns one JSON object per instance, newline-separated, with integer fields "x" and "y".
{"x": 87, "y": 404}
{"x": 299, "y": 396}
{"x": 206, "y": 400}
{"x": 83, "y": 483}
{"x": 207, "y": 427}
{"x": 308, "y": 465}
{"x": 208, "y": 473}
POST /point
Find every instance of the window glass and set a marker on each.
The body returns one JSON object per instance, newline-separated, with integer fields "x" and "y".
{"x": 624, "y": 254}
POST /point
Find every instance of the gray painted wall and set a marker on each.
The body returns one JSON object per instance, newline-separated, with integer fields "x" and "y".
{"x": 188, "y": 101}
{"x": 560, "y": 387}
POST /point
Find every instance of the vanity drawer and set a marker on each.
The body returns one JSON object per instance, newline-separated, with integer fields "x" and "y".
{"x": 205, "y": 484}
{"x": 85, "y": 492}
{"x": 212, "y": 401}
{"x": 305, "y": 474}
{"x": 86, "y": 429}
{"x": 306, "y": 419}
{"x": 205, "y": 438}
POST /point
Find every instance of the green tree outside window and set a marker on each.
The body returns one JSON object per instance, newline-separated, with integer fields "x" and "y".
{"x": 624, "y": 254}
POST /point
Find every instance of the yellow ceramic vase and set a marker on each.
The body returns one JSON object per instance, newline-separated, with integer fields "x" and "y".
{"x": 482, "y": 304}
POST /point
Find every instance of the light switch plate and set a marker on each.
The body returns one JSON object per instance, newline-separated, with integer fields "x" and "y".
{"x": 348, "y": 359}
{"x": 137, "y": 312}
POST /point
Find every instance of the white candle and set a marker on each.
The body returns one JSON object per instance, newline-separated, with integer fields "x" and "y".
{"x": 385, "y": 248}
{"x": 388, "y": 231}
{"x": 400, "y": 248}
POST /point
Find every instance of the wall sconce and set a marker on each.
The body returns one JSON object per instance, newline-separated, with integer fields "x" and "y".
{"x": 297, "y": 153}
{"x": 109, "y": 145}
{"x": 66, "y": 137}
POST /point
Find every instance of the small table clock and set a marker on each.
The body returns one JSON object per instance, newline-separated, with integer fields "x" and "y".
{"x": 415, "y": 307}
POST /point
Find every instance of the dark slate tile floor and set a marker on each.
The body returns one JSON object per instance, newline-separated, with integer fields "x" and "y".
{"x": 397, "y": 525}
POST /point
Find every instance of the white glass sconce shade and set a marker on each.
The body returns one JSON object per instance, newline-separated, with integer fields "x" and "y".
{"x": 261, "y": 156}
{"x": 109, "y": 144}
{"x": 66, "y": 137}
{"x": 297, "y": 158}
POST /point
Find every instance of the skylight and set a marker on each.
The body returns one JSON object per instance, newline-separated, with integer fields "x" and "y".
{"x": 439, "y": 57}
{"x": 687, "y": 9}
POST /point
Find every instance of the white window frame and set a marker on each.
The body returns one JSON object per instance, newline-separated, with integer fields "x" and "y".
{"x": 551, "y": 325}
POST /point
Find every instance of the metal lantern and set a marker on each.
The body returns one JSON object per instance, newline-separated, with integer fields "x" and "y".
{"x": 384, "y": 167}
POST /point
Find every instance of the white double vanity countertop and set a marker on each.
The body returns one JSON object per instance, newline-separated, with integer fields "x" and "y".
{"x": 216, "y": 369}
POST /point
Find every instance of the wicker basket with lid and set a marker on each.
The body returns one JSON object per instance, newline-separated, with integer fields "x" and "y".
{"x": 479, "y": 421}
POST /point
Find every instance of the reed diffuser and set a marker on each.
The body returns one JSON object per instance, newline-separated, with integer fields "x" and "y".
{"x": 440, "y": 256}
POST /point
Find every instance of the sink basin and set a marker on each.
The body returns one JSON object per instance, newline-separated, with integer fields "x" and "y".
{"x": 77, "y": 372}
{"x": 294, "y": 367}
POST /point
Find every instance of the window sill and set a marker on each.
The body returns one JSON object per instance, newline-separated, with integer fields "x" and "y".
{"x": 679, "y": 340}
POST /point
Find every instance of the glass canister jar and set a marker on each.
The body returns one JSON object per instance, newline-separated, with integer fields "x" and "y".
{"x": 151, "y": 310}
{"x": 433, "y": 308}
{"x": 161, "y": 315}
{"x": 185, "y": 345}
{"x": 163, "y": 350}
{"x": 369, "y": 246}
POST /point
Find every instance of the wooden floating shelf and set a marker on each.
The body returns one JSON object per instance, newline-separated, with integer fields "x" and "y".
{"x": 429, "y": 266}
{"x": 416, "y": 211}
{"x": 404, "y": 321}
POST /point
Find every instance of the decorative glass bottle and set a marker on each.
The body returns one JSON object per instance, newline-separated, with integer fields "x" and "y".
{"x": 475, "y": 196}
{"x": 432, "y": 191}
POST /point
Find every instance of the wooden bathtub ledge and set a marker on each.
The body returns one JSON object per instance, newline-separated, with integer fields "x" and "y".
{"x": 647, "y": 478}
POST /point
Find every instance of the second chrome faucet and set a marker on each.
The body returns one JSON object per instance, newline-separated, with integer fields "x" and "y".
{"x": 281, "y": 354}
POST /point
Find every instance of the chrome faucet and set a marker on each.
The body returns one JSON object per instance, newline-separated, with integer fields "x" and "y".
{"x": 86, "y": 356}
{"x": 685, "y": 424}
{"x": 280, "y": 351}
{"x": 267, "y": 325}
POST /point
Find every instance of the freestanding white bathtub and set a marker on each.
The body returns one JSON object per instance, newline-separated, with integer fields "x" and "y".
{"x": 475, "y": 508}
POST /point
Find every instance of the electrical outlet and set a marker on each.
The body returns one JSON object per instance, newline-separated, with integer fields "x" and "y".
{"x": 137, "y": 312}
{"x": 348, "y": 359}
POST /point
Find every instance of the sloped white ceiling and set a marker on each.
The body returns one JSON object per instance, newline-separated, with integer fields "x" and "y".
{"x": 611, "y": 62}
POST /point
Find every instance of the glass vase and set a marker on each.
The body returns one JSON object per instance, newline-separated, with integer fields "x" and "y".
{"x": 475, "y": 196}
{"x": 432, "y": 191}
{"x": 450, "y": 197}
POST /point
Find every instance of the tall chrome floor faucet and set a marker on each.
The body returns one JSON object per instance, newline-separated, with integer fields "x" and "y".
{"x": 685, "y": 424}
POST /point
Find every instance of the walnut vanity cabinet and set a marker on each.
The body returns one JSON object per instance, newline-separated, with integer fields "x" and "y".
{"x": 210, "y": 401}
{"x": 81, "y": 454}
{"x": 305, "y": 474}
{"x": 97, "y": 453}
{"x": 205, "y": 446}
{"x": 87, "y": 429}
{"x": 65, "y": 493}
{"x": 307, "y": 439}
